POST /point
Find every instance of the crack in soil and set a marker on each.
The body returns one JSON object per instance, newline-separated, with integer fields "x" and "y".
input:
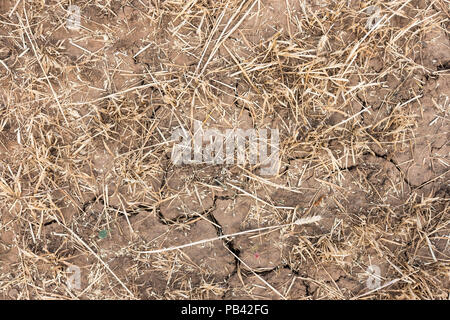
{"x": 389, "y": 159}
{"x": 219, "y": 230}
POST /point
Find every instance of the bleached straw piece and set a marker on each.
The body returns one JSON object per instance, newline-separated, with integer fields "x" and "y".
{"x": 191, "y": 244}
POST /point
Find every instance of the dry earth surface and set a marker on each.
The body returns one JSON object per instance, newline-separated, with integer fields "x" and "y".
{"x": 87, "y": 180}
